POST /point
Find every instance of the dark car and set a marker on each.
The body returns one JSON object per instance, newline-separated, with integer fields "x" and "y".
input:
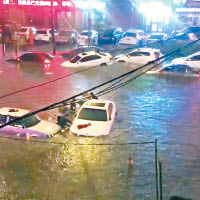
{"x": 110, "y": 35}
{"x": 179, "y": 69}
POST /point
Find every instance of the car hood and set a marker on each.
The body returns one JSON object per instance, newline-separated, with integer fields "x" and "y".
{"x": 46, "y": 127}
{"x": 89, "y": 128}
{"x": 179, "y": 60}
{"x": 119, "y": 56}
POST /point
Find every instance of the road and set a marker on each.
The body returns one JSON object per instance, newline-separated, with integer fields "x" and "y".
{"x": 163, "y": 108}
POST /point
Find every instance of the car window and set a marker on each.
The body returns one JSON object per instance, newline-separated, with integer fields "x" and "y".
{"x": 130, "y": 35}
{"x": 75, "y": 59}
{"x": 28, "y": 57}
{"x": 139, "y": 54}
{"x": 26, "y": 122}
{"x": 93, "y": 114}
{"x": 3, "y": 119}
{"x": 89, "y": 58}
{"x": 167, "y": 69}
{"x": 41, "y": 32}
{"x": 180, "y": 68}
{"x": 195, "y": 58}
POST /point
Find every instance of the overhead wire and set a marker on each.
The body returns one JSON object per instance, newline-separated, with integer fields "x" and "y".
{"x": 95, "y": 87}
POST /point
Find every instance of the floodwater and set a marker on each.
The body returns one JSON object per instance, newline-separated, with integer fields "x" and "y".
{"x": 164, "y": 108}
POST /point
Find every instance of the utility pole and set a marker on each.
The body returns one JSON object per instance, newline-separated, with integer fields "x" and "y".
{"x": 53, "y": 28}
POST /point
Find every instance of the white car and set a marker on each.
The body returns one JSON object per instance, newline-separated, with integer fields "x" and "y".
{"x": 132, "y": 36}
{"x": 31, "y": 126}
{"x": 193, "y": 60}
{"x": 25, "y": 31}
{"x": 88, "y": 59}
{"x": 154, "y": 37}
{"x": 139, "y": 56}
{"x": 94, "y": 118}
{"x": 83, "y": 37}
{"x": 45, "y": 34}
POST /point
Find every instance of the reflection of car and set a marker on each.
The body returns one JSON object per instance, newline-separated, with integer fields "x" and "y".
{"x": 25, "y": 31}
{"x": 66, "y": 36}
{"x": 193, "y": 60}
{"x": 110, "y": 35}
{"x": 45, "y": 34}
{"x": 83, "y": 37}
{"x": 176, "y": 69}
{"x": 87, "y": 59}
{"x": 94, "y": 118}
{"x": 157, "y": 37}
{"x": 31, "y": 126}
{"x": 140, "y": 56}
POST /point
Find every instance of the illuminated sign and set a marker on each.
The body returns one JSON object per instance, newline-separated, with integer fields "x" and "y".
{"x": 38, "y": 3}
{"x": 188, "y": 10}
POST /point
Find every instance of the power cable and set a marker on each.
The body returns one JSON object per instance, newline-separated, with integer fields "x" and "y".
{"x": 95, "y": 87}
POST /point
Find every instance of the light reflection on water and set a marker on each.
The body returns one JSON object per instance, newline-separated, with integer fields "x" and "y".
{"x": 166, "y": 108}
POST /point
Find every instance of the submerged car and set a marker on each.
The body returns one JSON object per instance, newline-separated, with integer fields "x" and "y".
{"x": 85, "y": 36}
{"x": 193, "y": 60}
{"x": 176, "y": 69}
{"x": 88, "y": 59}
{"x": 94, "y": 118}
{"x": 139, "y": 56}
{"x": 31, "y": 126}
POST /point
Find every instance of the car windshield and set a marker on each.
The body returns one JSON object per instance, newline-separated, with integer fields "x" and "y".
{"x": 75, "y": 59}
{"x": 130, "y": 35}
{"x": 93, "y": 114}
{"x": 86, "y": 33}
{"x": 26, "y": 122}
{"x": 159, "y": 37}
{"x": 41, "y": 32}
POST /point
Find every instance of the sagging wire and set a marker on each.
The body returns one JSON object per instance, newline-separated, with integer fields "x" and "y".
{"x": 98, "y": 86}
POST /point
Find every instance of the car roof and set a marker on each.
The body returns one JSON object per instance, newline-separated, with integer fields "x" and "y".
{"x": 97, "y": 104}
{"x": 146, "y": 50}
{"x": 15, "y": 112}
{"x": 36, "y": 52}
{"x": 44, "y": 29}
{"x": 89, "y": 53}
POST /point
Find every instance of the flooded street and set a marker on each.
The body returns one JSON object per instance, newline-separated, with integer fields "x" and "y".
{"x": 165, "y": 108}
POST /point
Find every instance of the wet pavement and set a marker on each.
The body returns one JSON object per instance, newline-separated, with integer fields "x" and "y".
{"x": 164, "y": 108}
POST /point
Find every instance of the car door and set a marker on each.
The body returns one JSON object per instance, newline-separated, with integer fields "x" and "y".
{"x": 194, "y": 61}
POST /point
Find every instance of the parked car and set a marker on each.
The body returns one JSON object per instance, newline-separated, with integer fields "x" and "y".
{"x": 67, "y": 55}
{"x": 67, "y": 36}
{"x": 83, "y": 37}
{"x": 88, "y": 59}
{"x": 45, "y": 34}
{"x": 25, "y": 31}
{"x": 94, "y": 118}
{"x": 193, "y": 60}
{"x": 31, "y": 126}
{"x": 134, "y": 37}
{"x": 139, "y": 56}
{"x": 110, "y": 35}
{"x": 176, "y": 69}
{"x": 154, "y": 37}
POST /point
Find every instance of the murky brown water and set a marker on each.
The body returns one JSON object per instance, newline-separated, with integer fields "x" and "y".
{"x": 166, "y": 108}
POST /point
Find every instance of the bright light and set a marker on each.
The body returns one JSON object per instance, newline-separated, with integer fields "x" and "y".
{"x": 90, "y": 4}
{"x": 156, "y": 12}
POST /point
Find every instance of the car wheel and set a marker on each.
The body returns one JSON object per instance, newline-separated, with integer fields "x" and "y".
{"x": 103, "y": 64}
{"x": 121, "y": 61}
